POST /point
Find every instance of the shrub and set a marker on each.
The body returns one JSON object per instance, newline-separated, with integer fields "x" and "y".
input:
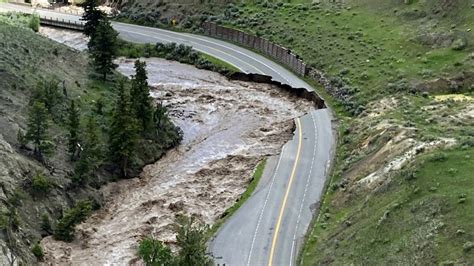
{"x": 439, "y": 157}
{"x": 40, "y": 184}
{"x": 153, "y": 252}
{"x": 34, "y": 23}
{"x": 37, "y": 251}
{"x": 65, "y": 229}
{"x": 46, "y": 224}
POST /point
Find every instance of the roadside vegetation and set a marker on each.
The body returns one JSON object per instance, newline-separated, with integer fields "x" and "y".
{"x": 172, "y": 51}
{"x": 257, "y": 174}
{"x": 190, "y": 240}
{"x": 400, "y": 82}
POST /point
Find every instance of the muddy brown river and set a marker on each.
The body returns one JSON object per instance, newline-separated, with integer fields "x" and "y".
{"x": 228, "y": 126}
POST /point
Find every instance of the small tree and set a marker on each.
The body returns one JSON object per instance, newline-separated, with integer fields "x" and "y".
{"x": 34, "y": 22}
{"x": 40, "y": 184}
{"x": 154, "y": 253}
{"x": 140, "y": 96}
{"x": 91, "y": 155}
{"x": 65, "y": 228}
{"x": 92, "y": 16}
{"x": 73, "y": 127}
{"x": 48, "y": 93}
{"x": 191, "y": 239}
{"x": 37, "y": 132}
{"x": 46, "y": 224}
{"x": 123, "y": 131}
{"x": 103, "y": 48}
{"x": 37, "y": 251}
{"x": 21, "y": 138}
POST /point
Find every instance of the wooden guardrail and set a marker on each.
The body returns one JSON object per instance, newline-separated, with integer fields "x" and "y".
{"x": 275, "y": 51}
{"x": 62, "y": 23}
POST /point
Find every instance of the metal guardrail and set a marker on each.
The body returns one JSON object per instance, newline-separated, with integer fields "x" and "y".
{"x": 62, "y": 23}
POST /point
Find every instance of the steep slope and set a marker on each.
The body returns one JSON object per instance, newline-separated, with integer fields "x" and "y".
{"x": 27, "y": 58}
{"x": 36, "y": 192}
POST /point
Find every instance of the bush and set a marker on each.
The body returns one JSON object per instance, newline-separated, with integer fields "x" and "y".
{"x": 39, "y": 184}
{"x": 65, "y": 229}
{"x": 438, "y": 157}
{"x": 34, "y": 23}
{"x": 37, "y": 251}
{"x": 153, "y": 252}
{"x": 46, "y": 224}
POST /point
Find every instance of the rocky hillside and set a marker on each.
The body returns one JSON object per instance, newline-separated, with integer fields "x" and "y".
{"x": 401, "y": 83}
{"x": 36, "y": 192}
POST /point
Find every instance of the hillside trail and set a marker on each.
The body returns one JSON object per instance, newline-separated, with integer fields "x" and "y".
{"x": 228, "y": 126}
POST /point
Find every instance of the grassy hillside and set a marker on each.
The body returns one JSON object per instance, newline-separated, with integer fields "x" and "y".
{"x": 401, "y": 188}
{"x": 35, "y": 194}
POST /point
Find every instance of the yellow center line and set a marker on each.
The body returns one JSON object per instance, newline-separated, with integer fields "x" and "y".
{"x": 283, "y": 205}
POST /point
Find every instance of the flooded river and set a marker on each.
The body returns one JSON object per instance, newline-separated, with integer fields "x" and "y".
{"x": 229, "y": 126}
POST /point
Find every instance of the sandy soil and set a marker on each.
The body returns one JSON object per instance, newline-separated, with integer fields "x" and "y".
{"x": 228, "y": 127}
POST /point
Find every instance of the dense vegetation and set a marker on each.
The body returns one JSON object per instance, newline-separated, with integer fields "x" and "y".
{"x": 190, "y": 239}
{"x": 401, "y": 75}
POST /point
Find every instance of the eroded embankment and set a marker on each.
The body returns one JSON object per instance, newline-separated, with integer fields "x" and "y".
{"x": 228, "y": 127}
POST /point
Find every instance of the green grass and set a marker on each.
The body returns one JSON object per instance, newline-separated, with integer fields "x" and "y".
{"x": 219, "y": 63}
{"x": 424, "y": 216}
{"x": 380, "y": 46}
{"x": 257, "y": 174}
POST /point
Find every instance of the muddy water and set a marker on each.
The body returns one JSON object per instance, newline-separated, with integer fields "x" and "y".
{"x": 73, "y": 39}
{"x": 228, "y": 128}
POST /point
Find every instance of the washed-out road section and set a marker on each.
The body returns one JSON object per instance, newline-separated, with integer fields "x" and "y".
{"x": 270, "y": 226}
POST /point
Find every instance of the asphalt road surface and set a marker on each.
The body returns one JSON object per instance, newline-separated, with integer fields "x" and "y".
{"x": 269, "y": 228}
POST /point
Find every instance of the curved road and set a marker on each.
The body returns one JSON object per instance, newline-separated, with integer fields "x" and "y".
{"x": 269, "y": 228}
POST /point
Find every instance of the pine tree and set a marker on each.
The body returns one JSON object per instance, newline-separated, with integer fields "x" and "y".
{"x": 73, "y": 127}
{"x": 91, "y": 155}
{"x": 191, "y": 239}
{"x": 123, "y": 132}
{"x": 140, "y": 96}
{"x": 103, "y": 48}
{"x": 92, "y": 16}
{"x": 37, "y": 132}
{"x": 159, "y": 118}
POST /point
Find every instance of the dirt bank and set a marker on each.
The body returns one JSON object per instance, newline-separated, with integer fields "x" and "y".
{"x": 228, "y": 127}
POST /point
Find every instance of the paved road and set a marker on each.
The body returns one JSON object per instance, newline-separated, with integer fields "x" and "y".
{"x": 269, "y": 228}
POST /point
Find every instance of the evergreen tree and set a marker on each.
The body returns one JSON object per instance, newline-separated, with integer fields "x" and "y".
{"x": 73, "y": 127}
{"x": 91, "y": 155}
{"x": 37, "y": 132}
{"x": 191, "y": 239}
{"x": 159, "y": 118}
{"x": 123, "y": 131}
{"x": 21, "y": 138}
{"x": 103, "y": 48}
{"x": 154, "y": 253}
{"x": 49, "y": 94}
{"x": 140, "y": 96}
{"x": 92, "y": 16}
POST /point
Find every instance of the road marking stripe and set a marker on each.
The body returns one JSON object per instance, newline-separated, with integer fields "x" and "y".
{"x": 283, "y": 205}
{"x": 215, "y": 43}
{"x": 305, "y": 189}
{"x": 264, "y": 205}
{"x": 200, "y": 50}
